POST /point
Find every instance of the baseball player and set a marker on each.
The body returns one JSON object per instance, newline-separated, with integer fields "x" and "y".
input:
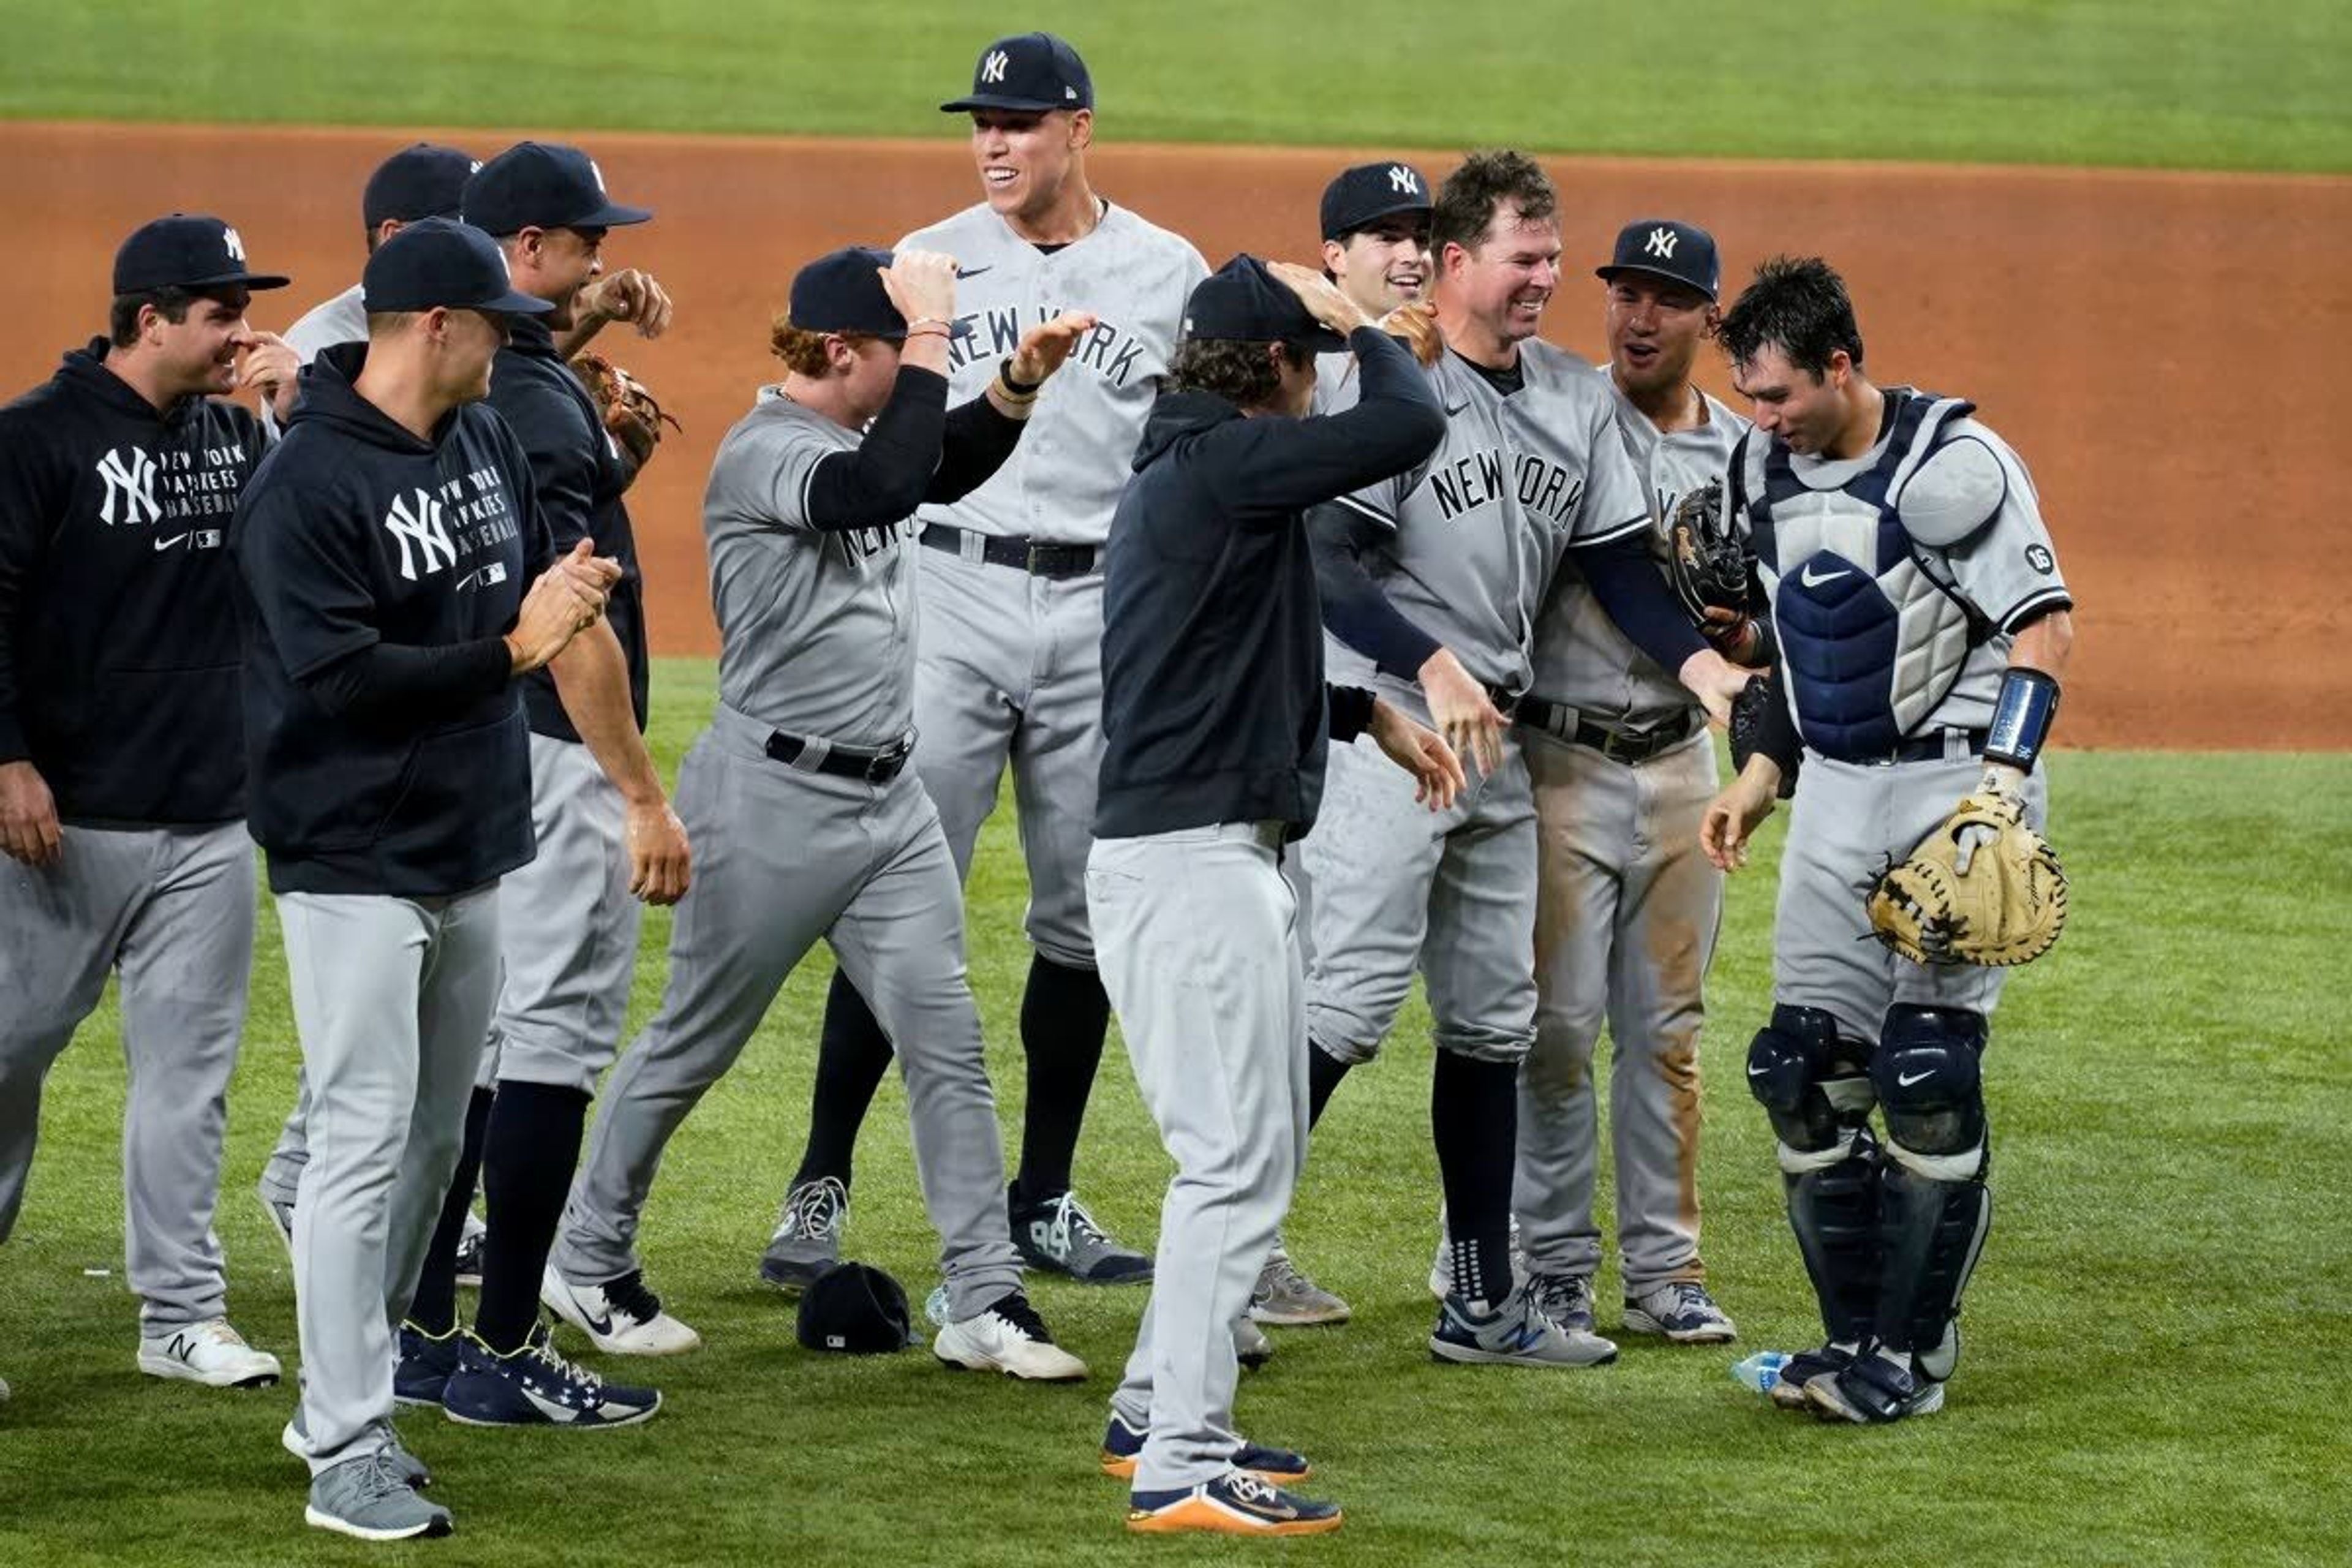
{"x": 812, "y": 569}
{"x": 1923, "y": 629}
{"x": 1010, "y": 662}
{"x": 1431, "y": 582}
{"x": 122, "y": 788}
{"x": 606, "y": 837}
{"x": 383, "y": 554}
{"x": 1627, "y": 908}
{"x": 1214, "y": 714}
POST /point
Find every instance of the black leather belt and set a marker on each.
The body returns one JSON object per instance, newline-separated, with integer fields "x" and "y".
{"x": 845, "y": 761}
{"x": 1619, "y": 745}
{"x": 1018, "y": 550}
{"x": 1928, "y": 748}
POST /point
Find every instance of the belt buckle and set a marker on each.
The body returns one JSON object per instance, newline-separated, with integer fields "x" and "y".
{"x": 1031, "y": 556}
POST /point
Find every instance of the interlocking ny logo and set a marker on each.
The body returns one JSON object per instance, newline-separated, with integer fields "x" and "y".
{"x": 1404, "y": 180}
{"x": 416, "y": 519}
{"x": 992, "y": 68}
{"x": 235, "y": 244}
{"x": 132, "y": 481}
{"x": 598, "y": 175}
{"x": 1662, "y": 242}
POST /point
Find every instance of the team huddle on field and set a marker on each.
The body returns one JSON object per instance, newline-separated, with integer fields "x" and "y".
{"x": 1336, "y": 628}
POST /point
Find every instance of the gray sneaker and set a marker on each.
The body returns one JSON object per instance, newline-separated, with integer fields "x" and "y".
{"x": 370, "y": 1498}
{"x": 808, "y": 1235}
{"x": 1059, "y": 1236}
{"x": 1517, "y": 1333}
{"x": 1287, "y": 1299}
{"x": 1565, "y": 1298}
{"x": 1683, "y": 1312}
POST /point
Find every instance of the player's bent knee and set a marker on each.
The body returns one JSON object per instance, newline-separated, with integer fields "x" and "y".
{"x": 1507, "y": 1047}
{"x": 1928, "y": 1078}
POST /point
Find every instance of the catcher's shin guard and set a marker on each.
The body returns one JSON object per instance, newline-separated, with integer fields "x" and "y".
{"x": 1934, "y": 1206}
{"x": 1814, "y": 1088}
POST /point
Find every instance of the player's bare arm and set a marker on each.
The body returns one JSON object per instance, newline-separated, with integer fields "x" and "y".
{"x": 1043, "y": 350}
{"x": 1421, "y": 751}
{"x": 631, "y": 295}
{"x": 1735, "y": 812}
{"x": 28, "y": 816}
{"x": 591, "y": 678}
{"x": 1466, "y": 715}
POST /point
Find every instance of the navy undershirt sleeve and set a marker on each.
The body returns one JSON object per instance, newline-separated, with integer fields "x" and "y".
{"x": 1635, "y": 596}
{"x": 1354, "y": 609}
{"x": 886, "y": 479}
{"x": 393, "y": 682}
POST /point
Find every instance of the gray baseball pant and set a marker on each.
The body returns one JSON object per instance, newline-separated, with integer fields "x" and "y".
{"x": 392, "y": 998}
{"x": 785, "y": 857}
{"x": 172, "y": 910}
{"x": 1625, "y": 926}
{"x": 1199, "y": 940}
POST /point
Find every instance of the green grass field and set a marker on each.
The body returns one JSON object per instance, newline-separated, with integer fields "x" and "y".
{"x": 2152, "y": 1335}
{"x": 2168, "y": 84}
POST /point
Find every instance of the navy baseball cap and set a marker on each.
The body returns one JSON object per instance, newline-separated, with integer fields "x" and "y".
{"x": 840, "y": 292}
{"x": 439, "y": 261}
{"x": 1669, "y": 249}
{"x": 855, "y": 1308}
{"x": 1367, "y": 193}
{"x": 1028, "y": 74}
{"x": 1242, "y": 302}
{"x": 422, "y": 181}
{"x": 186, "y": 250}
{"x": 542, "y": 184}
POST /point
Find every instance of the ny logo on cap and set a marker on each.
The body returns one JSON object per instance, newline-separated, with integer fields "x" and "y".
{"x": 1662, "y": 242}
{"x": 599, "y": 174}
{"x": 991, "y": 68}
{"x": 235, "y": 245}
{"x": 1404, "y": 180}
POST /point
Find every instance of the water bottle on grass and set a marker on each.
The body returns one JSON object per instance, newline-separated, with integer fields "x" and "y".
{"x": 1759, "y": 1372}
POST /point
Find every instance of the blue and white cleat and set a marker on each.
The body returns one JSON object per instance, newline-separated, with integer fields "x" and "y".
{"x": 1515, "y": 1333}
{"x": 1122, "y": 1444}
{"x": 535, "y": 1386}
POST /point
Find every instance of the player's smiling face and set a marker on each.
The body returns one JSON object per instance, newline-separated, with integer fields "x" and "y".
{"x": 1385, "y": 264}
{"x": 1654, "y": 326}
{"x": 1505, "y": 282}
{"x": 197, "y": 353}
{"x": 1804, "y": 410}
{"x": 1025, "y": 160}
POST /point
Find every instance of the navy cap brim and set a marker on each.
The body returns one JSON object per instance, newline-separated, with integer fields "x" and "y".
{"x": 612, "y": 215}
{"x": 1606, "y": 273}
{"x": 255, "y": 281}
{"x": 513, "y": 303}
{"x": 1011, "y": 105}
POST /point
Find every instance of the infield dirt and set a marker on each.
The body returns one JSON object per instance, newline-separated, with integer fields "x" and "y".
{"x": 2157, "y": 345}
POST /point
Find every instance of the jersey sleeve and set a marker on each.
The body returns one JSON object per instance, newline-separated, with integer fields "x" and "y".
{"x": 2006, "y": 567}
{"x": 1616, "y": 501}
{"x": 538, "y": 551}
{"x": 28, "y": 497}
{"x": 762, "y": 477}
{"x": 561, "y": 462}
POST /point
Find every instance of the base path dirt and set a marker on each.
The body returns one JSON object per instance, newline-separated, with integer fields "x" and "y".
{"x": 2160, "y": 347}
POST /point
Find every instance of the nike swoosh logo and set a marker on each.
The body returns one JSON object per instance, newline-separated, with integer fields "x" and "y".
{"x": 167, "y": 543}
{"x": 1906, "y": 1079}
{"x": 1758, "y": 1072}
{"x": 1810, "y": 581}
{"x": 554, "y": 1409}
{"x": 974, "y": 271}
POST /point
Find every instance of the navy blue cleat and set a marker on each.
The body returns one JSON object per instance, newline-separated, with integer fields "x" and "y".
{"x": 1123, "y": 1444}
{"x": 535, "y": 1386}
{"x": 1235, "y": 1503}
{"x": 425, "y": 1363}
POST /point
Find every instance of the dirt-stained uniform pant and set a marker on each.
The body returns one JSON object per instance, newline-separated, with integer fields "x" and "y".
{"x": 1198, "y": 934}
{"x": 171, "y": 909}
{"x": 392, "y": 997}
{"x": 785, "y": 857}
{"x": 1625, "y": 926}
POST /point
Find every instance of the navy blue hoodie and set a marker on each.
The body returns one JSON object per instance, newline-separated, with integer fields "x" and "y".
{"x": 386, "y": 745}
{"x": 118, "y": 632}
{"x": 1213, "y": 702}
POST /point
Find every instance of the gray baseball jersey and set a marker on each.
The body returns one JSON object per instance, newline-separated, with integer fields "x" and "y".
{"x": 1625, "y": 918}
{"x": 341, "y": 319}
{"x": 1062, "y": 482}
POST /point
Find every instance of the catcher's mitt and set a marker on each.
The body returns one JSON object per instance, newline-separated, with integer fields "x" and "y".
{"x": 1981, "y": 888}
{"x": 1707, "y": 561}
{"x": 632, "y": 415}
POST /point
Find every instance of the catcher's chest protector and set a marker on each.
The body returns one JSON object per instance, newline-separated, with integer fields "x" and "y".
{"x": 1872, "y": 642}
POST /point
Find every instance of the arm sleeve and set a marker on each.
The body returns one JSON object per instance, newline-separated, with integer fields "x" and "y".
{"x": 1278, "y": 467}
{"x": 1351, "y": 712}
{"x": 1776, "y": 735}
{"x": 885, "y": 478}
{"x": 385, "y": 680}
{"x": 1354, "y": 609}
{"x": 976, "y": 441}
{"x": 25, "y": 508}
{"x": 1630, "y": 590}
{"x": 304, "y": 573}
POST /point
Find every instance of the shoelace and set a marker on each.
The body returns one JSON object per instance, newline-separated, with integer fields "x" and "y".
{"x": 382, "y": 1479}
{"x": 630, "y": 1294}
{"x": 1071, "y": 1220}
{"x": 544, "y": 1352}
{"x": 1016, "y": 1309}
{"x": 1689, "y": 1296}
{"x": 819, "y": 1208}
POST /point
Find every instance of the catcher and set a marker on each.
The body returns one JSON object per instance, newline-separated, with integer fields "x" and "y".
{"x": 1922, "y": 628}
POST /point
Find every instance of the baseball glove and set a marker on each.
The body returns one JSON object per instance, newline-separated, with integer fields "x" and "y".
{"x": 632, "y": 415}
{"x": 1981, "y": 888}
{"x": 1707, "y": 561}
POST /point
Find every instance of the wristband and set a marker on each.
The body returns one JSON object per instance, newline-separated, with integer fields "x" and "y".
{"x": 1014, "y": 385}
{"x": 2021, "y": 716}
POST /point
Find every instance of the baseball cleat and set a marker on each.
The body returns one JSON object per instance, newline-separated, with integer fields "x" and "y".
{"x": 1683, "y": 1312}
{"x": 1872, "y": 1390}
{"x": 1788, "y": 1391}
{"x": 1058, "y": 1235}
{"x": 535, "y": 1386}
{"x": 1010, "y": 1338}
{"x": 1565, "y": 1298}
{"x": 370, "y": 1498}
{"x": 620, "y": 1317}
{"x": 469, "y": 1251}
{"x": 1123, "y": 1444}
{"x": 281, "y": 1216}
{"x": 1284, "y": 1298}
{"x": 427, "y": 1362}
{"x": 210, "y": 1352}
{"x": 1251, "y": 1347}
{"x": 808, "y": 1235}
{"x": 1233, "y": 1504}
{"x": 1515, "y": 1333}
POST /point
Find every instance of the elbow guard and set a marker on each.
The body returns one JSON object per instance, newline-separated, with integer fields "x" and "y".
{"x": 2021, "y": 716}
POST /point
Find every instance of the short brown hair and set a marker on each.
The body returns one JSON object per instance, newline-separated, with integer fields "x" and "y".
{"x": 1474, "y": 194}
{"x": 171, "y": 303}
{"x": 1239, "y": 372}
{"x": 803, "y": 351}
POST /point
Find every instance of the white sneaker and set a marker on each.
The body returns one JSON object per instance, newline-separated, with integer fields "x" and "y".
{"x": 620, "y": 1316}
{"x": 1010, "y": 1338}
{"x": 210, "y": 1352}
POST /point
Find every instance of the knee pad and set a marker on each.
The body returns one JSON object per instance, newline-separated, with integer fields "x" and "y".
{"x": 1926, "y": 1076}
{"x": 1792, "y": 1065}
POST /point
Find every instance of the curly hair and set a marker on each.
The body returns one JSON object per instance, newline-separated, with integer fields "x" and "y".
{"x": 1239, "y": 372}
{"x": 1472, "y": 194}
{"x": 1798, "y": 305}
{"x": 801, "y": 350}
